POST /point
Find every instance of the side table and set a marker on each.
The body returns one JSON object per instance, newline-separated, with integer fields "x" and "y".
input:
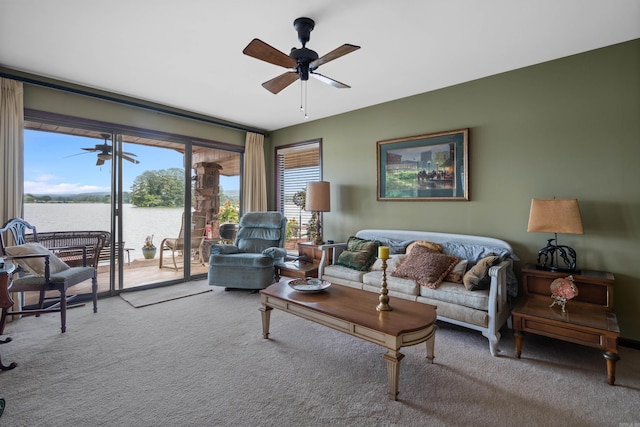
{"x": 297, "y": 269}
{"x": 588, "y": 319}
{"x": 300, "y": 269}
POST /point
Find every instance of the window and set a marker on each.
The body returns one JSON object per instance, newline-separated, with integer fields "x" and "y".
{"x": 296, "y": 164}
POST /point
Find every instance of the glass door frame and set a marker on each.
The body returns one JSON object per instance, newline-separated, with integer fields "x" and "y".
{"x": 118, "y": 134}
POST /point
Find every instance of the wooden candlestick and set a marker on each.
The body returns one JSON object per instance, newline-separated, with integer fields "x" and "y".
{"x": 384, "y": 298}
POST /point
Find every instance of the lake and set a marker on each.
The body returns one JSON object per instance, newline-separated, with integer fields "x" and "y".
{"x": 137, "y": 222}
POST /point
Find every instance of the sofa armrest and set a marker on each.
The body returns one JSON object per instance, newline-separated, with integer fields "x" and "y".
{"x": 329, "y": 251}
{"x": 498, "y": 288}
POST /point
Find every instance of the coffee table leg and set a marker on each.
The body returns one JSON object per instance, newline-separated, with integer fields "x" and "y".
{"x": 266, "y": 316}
{"x": 393, "y": 358}
{"x": 431, "y": 344}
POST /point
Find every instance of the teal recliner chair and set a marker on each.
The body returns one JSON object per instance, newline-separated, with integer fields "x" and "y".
{"x": 249, "y": 262}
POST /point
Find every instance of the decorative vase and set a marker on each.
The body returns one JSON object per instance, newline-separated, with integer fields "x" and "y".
{"x": 149, "y": 253}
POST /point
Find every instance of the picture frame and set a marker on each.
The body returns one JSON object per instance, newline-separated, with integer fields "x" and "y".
{"x": 424, "y": 167}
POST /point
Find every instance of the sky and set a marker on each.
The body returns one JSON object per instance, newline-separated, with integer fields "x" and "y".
{"x": 56, "y": 164}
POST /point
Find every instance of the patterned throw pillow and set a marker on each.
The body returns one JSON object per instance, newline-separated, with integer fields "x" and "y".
{"x": 359, "y": 255}
{"x": 477, "y": 278}
{"x": 425, "y": 267}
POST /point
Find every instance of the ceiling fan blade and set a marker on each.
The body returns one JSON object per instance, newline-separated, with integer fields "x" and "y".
{"x": 283, "y": 80}
{"x": 77, "y": 154}
{"x": 334, "y": 54}
{"x": 90, "y": 149}
{"x": 134, "y": 161}
{"x": 329, "y": 81}
{"x": 264, "y": 52}
{"x": 129, "y": 154}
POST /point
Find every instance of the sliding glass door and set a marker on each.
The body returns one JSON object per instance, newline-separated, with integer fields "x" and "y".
{"x": 146, "y": 189}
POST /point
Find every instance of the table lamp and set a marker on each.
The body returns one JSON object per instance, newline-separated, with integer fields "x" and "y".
{"x": 318, "y": 200}
{"x": 556, "y": 216}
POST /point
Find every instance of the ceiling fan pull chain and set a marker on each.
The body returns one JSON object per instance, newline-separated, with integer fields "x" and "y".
{"x": 306, "y": 112}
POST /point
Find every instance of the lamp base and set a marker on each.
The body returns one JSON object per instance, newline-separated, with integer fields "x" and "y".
{"x": 548, "y": 258}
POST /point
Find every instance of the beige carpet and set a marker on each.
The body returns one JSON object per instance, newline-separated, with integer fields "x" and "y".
{"x": 166, "y": 293}
{"x": 201, "y": 361}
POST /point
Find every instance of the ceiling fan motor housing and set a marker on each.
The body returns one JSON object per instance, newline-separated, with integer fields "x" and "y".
{"x": 304, "y": 26}
{"x": 303, "y": 57}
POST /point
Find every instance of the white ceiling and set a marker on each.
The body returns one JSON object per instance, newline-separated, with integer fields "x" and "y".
{"x": 188, "y": 54}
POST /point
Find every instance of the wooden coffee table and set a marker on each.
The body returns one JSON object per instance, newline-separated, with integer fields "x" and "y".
{"x": 353, "y": 312}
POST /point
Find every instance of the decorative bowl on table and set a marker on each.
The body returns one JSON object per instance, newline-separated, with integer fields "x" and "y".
{"x": 309, "y": 285}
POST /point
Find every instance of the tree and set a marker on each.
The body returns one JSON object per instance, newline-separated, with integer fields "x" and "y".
{"x": 159, "y": 188}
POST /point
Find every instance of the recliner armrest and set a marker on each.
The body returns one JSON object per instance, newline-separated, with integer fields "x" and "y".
{"x": 275, "y": 252}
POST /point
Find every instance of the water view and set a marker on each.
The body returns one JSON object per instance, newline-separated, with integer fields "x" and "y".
{"x": 137, "y": 222}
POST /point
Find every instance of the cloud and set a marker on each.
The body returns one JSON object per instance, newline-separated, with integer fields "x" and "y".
{"x": 44, "y": 187}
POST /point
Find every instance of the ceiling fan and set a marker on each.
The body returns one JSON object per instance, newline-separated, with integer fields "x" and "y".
{"x": 303, "y": 62}
{"x": 105, "y": 152}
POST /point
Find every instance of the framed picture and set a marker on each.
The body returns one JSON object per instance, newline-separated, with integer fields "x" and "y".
{"x": 424, "y": 167}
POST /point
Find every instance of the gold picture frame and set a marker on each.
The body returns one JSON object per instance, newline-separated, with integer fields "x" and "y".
{"x": 425, "y": 167}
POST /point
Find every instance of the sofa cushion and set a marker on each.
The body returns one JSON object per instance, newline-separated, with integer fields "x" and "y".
{"x": 36, "y": 265}
{"x": 342, "y": 272}
{"x": 401, "y": 285}
{"x": 425, "y": 267}
{"x": 477, "y": 278}
{"x": 359, "y": 253}
{"x": 455, "y": 293}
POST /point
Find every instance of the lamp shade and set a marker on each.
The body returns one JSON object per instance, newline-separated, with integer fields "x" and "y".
{"x": 555, "y": 216}
{"x": 318, "y": 196}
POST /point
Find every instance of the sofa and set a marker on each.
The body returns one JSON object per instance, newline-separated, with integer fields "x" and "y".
{"x": 475, "y": 292}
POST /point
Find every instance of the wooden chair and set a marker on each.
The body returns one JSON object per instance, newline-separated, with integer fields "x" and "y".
{"x": 42, "y": 270}
{"x": 198, "y": 224}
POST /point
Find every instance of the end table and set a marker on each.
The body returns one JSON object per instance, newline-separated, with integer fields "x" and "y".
{"x": 588, "y": 319}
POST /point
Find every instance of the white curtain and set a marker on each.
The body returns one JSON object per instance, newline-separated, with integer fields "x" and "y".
{"x": 254, "y": 184}
{"x": 11, "y": 156}
{"x": 11, "y": 149}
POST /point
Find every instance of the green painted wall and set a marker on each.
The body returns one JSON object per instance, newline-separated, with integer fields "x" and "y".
{"x": 59, "y": 102}
{"x": 565, "y": 128}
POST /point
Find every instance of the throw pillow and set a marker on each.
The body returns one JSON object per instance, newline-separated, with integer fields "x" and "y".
{"x": 425, "y": 267}
{"x": 35, "y": 265}
{"x": 477, "y": 278}
{"x": 392, "y": 263}
{"x": 359, "y": 254}
{"x": 456, "y": 275}
{"x": 433, "y": 247}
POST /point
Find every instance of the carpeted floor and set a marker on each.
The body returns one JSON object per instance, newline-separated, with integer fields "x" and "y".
{"x": 201, "y": 361}
{"x": 165, "y": 293}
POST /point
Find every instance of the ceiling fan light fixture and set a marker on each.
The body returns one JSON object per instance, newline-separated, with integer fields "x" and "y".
{"x": 301, "y": 62}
